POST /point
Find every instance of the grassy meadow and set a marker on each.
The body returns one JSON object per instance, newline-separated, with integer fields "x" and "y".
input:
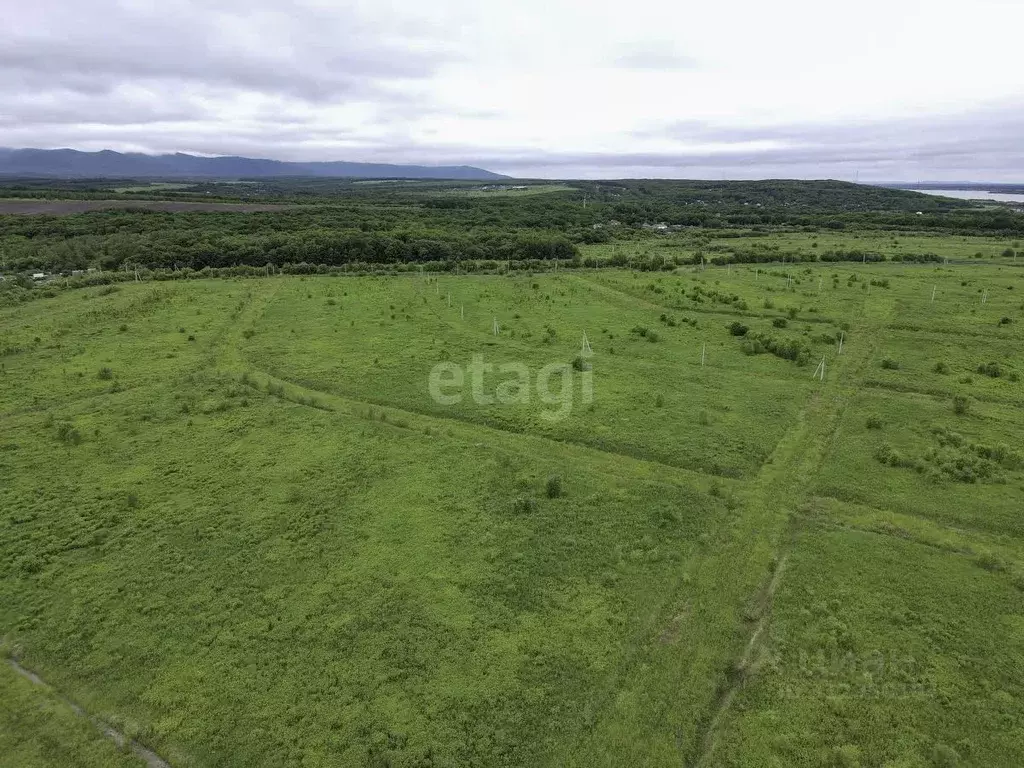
{"x": 236, "y": 525}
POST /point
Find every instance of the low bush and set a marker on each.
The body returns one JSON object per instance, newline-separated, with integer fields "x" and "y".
{"x": 787, "y": 349}
{"x": 580, "y": 363}
{"x": 553, "y": 487}
{"x": 992, "y": 370}
{"x": 67, "y": 433}
{"x": 524, "y": 505}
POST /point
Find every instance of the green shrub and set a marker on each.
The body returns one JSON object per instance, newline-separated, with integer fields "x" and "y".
{"x": 787, "y": 349}
{"x": 553, "y": 487}
{"x": 580, "y": 363}
{"x": 941, "y": 367}
{"x": 961, "y": 405}
{"x": 106, "y": 374}
{"x": 874, "y": 422}
{"x": 890, "y": 365}
{"x": 993, "y": 370}
{"x": 780, "y": 322}
{"x": 524, "y": 505}
{"x": 67, "y": 433}
{"x": 888, "y": 455}
{"x": 738, "y": 329}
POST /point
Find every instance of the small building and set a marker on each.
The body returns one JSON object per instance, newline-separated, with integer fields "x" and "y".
{"x": 38, "y": 275}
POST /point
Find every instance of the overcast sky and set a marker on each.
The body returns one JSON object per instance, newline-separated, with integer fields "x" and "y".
{"x": 880, "y": 89}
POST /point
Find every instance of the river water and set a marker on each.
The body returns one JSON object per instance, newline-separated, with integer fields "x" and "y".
{"x": 973, "y": 194}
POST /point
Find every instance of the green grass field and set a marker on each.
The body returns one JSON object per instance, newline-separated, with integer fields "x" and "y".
{"x": 972, "y": 248}
{"x": 236, "y": 524}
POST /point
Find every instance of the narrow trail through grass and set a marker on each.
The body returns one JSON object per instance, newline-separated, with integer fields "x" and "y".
{"x": 148, "y": 756}
{"x": 774, "y": 498}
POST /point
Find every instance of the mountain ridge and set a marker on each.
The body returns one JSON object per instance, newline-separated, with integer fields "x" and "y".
{"x": 106, "y": 163}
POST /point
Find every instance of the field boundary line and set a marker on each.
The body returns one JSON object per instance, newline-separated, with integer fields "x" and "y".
{"x": 351, "y": 403}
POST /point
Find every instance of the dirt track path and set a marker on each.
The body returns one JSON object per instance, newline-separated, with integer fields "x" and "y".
{"x": 151, "y": 758}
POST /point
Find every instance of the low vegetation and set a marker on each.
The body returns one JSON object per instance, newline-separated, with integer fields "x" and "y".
{"x": 237, "y": 525}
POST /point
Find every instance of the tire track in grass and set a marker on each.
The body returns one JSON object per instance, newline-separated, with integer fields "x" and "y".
{"x": 148, "y": 756}
{"x": 742, "y": 667}
{"x": 781, "y": 486}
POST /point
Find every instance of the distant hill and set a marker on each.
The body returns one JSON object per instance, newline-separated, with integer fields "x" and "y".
{"x": 71, "y": 163}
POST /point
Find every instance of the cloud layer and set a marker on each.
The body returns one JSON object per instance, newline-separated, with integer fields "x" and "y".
{"x": 886, "y": 90}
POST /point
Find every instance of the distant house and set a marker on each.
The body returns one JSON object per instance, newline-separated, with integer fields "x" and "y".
{"x": 38, "y": 275}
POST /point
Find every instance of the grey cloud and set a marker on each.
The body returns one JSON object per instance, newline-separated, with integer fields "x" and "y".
{"x": 304, "y": 53}
{"x": 36, "y": 112}
{"x": 658, "y": 57}
{"x": 881, "y": 152}
{"x": 995, "y": 128}
{"x": 987, "y": 139}
{"x": 105, "y": 75}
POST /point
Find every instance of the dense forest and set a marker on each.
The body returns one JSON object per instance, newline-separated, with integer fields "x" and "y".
{"x": 334, "y": 222}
